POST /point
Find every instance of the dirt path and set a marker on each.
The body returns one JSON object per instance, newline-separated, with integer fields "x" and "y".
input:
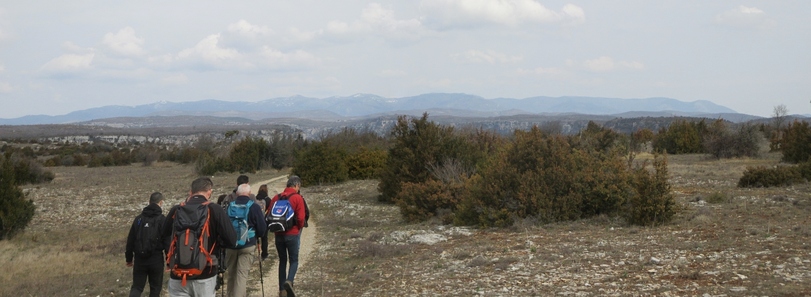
{"x": 275, "y": 186}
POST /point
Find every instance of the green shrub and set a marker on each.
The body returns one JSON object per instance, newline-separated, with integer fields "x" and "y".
{"x": 416, "y": 144}
{"x": 681, "y": 137}
{"x": 420, "y": 201}
{"x": 651, "y": 203}
{"x": 763, "y": 177}
{"x": 321, "y": 162}
{"x": 365, "y": 163}
{"x": 543, "y": 177}
{"x": 721, "y": 141}
{"x": 248, "y": 155}
{"x": 15, "y": 211}
{"x": 796, "y": 142}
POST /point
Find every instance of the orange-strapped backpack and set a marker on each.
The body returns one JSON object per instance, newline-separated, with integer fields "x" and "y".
{"x": 188, "y": 256}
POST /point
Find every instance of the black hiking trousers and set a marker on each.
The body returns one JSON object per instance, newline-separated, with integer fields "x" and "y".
{"x": 151, "y": 268}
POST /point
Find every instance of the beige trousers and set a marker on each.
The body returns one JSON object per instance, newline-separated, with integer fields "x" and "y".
{"x": 239, "y": 264}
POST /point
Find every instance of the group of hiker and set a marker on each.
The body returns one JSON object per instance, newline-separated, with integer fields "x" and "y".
{"x": 205, "y": 245}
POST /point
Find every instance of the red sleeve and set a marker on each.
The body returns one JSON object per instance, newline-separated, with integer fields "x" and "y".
{"x": 301, "y": 212}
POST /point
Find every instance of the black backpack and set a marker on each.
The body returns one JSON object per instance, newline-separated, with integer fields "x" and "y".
{"x": 306, "y": 213}
{"x": 148, "y": 238}
{"x": 187, "y": 255}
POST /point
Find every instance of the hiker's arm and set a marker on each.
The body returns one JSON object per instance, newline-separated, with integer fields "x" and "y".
{"x": 167, "y": 228}
{"x": 301, "y": 213}
{"x": 258, "y": 219}
{"x": 128, "y": 254}
{"x": 223, "y": 224}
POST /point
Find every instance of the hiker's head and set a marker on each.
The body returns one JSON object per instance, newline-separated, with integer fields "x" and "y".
{"x": 263, "y": 189}
{"x": 293, "y": 181}
{"x": 202, "y": 186}
{"x": 156, "y": 198}
{"x": 242, "y": 179}
{"x": 244, "y": 190}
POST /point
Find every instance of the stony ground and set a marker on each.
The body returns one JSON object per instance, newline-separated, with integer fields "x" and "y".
{"x": 753, "y": 242}
{"x": 757, "y": 242}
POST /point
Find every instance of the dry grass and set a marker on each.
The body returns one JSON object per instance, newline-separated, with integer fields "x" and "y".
{"x": 752, "y": 242}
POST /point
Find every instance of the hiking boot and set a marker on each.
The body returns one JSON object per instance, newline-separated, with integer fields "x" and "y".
{"x": 282, "y": 293}
{"x": 288, "y": 287}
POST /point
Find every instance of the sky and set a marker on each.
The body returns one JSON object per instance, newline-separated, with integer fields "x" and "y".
{"x": 61, "y": 56}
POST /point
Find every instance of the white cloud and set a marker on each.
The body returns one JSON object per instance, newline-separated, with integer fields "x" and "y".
{"x": 124, "y": 43}
{"x": 243, "y": 35}
{"x": 489, "y": 57}
{"x": 376, "y": 20}
{"x": 176, "y": 79}
{"x": 604, "y": 64}
{"x": 208, "y": 54}
{"x": 6, "y": 87}
{"x": 276, "y": 59}
{"x": 392, "y": 73}
{"x": 551, "y": 71}
{"x": 466, "y": 13}
{"x": 68, "y": 64}
{"x": 745, "y": 17}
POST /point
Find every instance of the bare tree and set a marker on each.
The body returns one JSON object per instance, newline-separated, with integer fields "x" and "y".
{"x": 779, "y": 116}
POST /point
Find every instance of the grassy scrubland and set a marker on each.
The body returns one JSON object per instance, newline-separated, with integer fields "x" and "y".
{"x": 723, "y": 240}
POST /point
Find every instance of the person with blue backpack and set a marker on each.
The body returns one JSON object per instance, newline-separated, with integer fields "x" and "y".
{"x": 286, "y": 220}
{"x": 248, "y": 221}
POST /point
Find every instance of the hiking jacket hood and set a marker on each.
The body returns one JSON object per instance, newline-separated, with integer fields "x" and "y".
{"x": 150, "y": 211}
{"x": 298, "y": 207}
{"x": 256, "y": 219}
{"x": 221, "y": 232}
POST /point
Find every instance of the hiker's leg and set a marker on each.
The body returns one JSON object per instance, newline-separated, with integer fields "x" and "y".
{"x": 231, "y": 256}
{"x": 281, "y": 249}
{"x": 176, "y": 289}
{"x": 245, "y": 258}
{"x": 155, "y": 275}
{"x": 293, "y": 243}
{"x": 203, "y": 287}
{"x": 264, "y": 246}
{"x": 139, "y": 273}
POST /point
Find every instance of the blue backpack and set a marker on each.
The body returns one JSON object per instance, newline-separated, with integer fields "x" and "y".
{"x": 238, "y": 213}
{"x": 282, "y": 216}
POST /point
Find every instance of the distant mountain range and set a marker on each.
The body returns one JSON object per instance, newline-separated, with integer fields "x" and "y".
{"x": 368, "y": 106}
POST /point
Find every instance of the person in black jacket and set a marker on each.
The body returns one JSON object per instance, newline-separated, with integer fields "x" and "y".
{"x": 222, "y": 235}
{"x": 262, "y": 195}
{"x": 147, "y": 264}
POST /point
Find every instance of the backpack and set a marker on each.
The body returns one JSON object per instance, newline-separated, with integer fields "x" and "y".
{"x": 282, "y": 216}
{"x": 187, "y": 256}
{"x": 148, "y": 238}
{"x": 306, "y": 213}
{"x": 238, "y": 213}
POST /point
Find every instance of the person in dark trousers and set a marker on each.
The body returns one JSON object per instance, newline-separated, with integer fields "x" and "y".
{"x": 239, "y": 259}
{"x": 289, "y": 242}
{"x": 222, "y": 235}
{"x": 262, "y": 195}
{"x": 147, "y": 265}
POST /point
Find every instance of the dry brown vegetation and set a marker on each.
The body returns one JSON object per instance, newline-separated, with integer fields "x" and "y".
{"x": 724, "y": 241}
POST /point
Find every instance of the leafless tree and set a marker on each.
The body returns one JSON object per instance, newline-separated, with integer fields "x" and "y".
{"x": 779, "y": 116}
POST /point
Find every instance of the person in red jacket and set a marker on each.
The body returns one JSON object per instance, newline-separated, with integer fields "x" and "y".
{"x": 289, "y": 242}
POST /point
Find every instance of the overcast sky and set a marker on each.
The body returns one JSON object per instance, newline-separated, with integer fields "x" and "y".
{"x": 61, "y": 56}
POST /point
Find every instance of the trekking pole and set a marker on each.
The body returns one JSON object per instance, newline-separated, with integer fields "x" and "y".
{"x": 261, "y": 277}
